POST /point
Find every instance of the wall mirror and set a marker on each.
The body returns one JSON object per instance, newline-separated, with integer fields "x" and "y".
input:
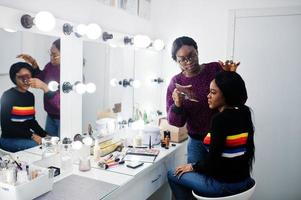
{"x": 122, "y": 75}
{"x": 36, "y": 45}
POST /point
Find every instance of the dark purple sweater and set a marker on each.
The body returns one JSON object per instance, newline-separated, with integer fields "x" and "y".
{"x": 52, "y": 101}
{"x": 197, "y": 115}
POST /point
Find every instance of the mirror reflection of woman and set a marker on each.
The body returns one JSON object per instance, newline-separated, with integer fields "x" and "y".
{"x": 20, "y": 130}
{"x": 51, "y": 72}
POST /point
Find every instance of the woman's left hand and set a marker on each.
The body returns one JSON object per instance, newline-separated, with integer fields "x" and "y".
{"x": 183, "y": 169}
{"x": 229, "y": 65}
{"x": 37, "y": 83}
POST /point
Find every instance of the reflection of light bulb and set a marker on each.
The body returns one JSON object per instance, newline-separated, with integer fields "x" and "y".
{"x": 81, "y": 29}
{"x": 87, "y": 141}
{"x": 53, "y": 86}
{"x": 142, "y": 41}
{"x": 44, "y": 21}
{"x": 158, "y": 44}
{"x": 77, "y": 145}
{"x": 93, "y": 31}
{"x": 136, "y": 83}
{"x": 113, "y": 82}
{"x": 9, "y": 30}
{"x": 91, "y": 87}
{"x": 80, "y": 88}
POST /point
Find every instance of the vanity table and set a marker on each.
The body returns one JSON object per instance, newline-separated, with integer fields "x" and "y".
{"x": 123, "y": 182}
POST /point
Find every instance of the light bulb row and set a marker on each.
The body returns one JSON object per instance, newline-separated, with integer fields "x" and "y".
{"x": 134, "y": 83}
{"x": 78, "y": 87}
{"x": 45, "y": 21}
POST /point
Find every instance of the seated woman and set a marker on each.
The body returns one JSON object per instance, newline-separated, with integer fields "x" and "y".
{"x": 230, "y": 145}
{"x": 20, "y": 130}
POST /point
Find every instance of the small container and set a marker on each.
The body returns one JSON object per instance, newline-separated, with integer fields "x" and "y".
{"x": 48, "y": 148}
{"x": 167, "y": 139}
{"x": 84, "y": 164}
{"x": 66, "y": 155}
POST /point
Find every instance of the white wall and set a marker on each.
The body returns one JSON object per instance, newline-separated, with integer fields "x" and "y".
{"x": 85, "y": 11}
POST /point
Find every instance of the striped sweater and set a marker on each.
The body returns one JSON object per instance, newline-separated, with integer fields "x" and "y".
{"x": 235, "y": 145}
{"x": 230, "y": 147}
{"x": 18, "y": 115}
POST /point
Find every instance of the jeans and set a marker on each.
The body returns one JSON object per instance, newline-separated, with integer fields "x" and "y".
{"x": 196, "y": 150}
{"x": 16, "y": 144}
{"x": 182, "y": 188}
{"x": 52, "y": 126}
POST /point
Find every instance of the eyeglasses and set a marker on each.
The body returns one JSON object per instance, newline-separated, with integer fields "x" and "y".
{"x": 24, "y": 78}
{"x": 184, "y": 60}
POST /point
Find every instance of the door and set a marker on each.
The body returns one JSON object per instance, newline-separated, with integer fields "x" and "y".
{"x": 268, "y": 44}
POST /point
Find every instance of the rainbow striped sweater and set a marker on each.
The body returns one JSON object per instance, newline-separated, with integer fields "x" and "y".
{"x": 18, "y": 115}
{"x": 230, "y": 147}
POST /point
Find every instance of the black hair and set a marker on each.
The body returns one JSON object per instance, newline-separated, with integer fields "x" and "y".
{"x": 235, "y": 94}
{"x": 16, "y": 67}
{"x": 57, "y": 44}
{"x": 233, "y": 88}
{"x": 179, "y": 42}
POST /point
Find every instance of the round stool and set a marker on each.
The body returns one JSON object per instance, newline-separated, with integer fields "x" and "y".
{"x": 246, "y": 195}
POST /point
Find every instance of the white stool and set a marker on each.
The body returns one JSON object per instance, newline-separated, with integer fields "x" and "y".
{"x": 246, "y": 195}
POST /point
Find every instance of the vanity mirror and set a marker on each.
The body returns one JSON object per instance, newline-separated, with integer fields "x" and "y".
{"x": 122, "y": 75}
{"x": 38, "y": 47}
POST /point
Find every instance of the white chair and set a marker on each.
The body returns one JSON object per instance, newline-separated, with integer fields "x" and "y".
{"x": 246, "y": 195}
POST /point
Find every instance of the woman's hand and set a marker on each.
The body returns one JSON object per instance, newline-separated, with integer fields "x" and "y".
{"x": 229, "y": 65}
{"x": 27, "y": 58}
{"x": 183, "y": 169}
{"x": 37, "y": 83}
{"x": 177, "y": 97}
{"x": 36, "y": 138}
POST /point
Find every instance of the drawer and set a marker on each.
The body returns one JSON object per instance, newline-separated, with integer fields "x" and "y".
{"x": 153, "y": 180}
{"x": 147, "y": 183}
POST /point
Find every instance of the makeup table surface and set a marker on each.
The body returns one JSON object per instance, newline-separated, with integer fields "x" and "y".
{"x": 139, "y": 183}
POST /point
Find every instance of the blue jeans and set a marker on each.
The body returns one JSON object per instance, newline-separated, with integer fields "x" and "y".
{"x": 182, "y": 188}
{"x": 16, "y": 144}
{"x": 52, "y": 126}
{"x": 196, "y": 150}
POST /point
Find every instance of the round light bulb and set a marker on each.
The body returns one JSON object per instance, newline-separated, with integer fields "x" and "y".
{"x": 142, "y": 41}
{"x": 81, "y": 29}
{"x": 77, "y": 145}
{"x": 136, "y": 83}
{"x": 53, "y": 86}
{"x": 158, "y": 44}
{"x": 44, "y": 21}
{"x": 113, "y": 82}
{"x": 80, "y": 88}
{"x": 91, "y": 87}
{"x": 93, "y": 31}
{"x": 87, "y": 141}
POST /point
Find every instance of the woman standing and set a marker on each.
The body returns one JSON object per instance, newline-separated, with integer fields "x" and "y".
{"x": 187, "y": 101}
{"x": 51, "y": 72}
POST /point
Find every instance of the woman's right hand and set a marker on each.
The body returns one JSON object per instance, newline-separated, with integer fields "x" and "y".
{"x": 177, "y": 97}
{"x": 27, "y": 58}
{"x": 36, "y": 138}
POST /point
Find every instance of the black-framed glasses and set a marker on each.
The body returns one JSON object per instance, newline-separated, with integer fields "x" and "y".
{"x": 184, "y": 60}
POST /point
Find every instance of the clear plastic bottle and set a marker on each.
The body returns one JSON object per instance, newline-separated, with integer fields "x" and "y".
{"x": 66, "y": 155}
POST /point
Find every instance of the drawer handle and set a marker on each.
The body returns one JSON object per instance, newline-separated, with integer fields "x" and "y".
{"x": 159, "y": 176}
